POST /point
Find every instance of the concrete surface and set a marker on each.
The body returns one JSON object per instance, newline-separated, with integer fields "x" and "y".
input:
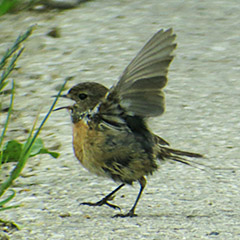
{"x": 97, "y": 41}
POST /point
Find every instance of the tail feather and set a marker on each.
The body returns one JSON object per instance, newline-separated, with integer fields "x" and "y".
{"x": 167, "y": 153}
{"x": 183, "y": 153}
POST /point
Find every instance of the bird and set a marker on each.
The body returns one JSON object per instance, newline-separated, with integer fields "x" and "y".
{"x": 111, "y": 136}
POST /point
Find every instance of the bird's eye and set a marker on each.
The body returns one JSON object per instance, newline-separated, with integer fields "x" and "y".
{"x": 82, "y": 96}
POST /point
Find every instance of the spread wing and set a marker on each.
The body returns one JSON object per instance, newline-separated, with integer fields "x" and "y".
{"x": 139, "y": 90}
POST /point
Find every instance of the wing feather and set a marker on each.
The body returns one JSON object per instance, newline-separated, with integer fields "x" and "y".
{"x": 139, "y": 90}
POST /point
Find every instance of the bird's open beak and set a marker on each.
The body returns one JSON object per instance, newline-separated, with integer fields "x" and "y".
{"x": 63, "y": 96}
{"x": 65, "y": 107}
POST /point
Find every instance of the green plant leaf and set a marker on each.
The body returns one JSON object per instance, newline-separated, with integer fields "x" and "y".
{"x": 38, "y": 148}
{"x": 53, "y": 154}
{"x": 6, "y": 5}
{"x": 11, "y": 151}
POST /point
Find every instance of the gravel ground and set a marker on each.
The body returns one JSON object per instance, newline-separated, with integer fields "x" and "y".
{"x": 97, "y": 40}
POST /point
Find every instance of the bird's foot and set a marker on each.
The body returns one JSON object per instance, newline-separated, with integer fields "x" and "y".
{"x": 129, "y": 214}
{"x": 104, "y": 201}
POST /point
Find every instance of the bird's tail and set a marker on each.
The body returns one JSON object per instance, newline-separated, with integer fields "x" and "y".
{"x": 167, "y": 153}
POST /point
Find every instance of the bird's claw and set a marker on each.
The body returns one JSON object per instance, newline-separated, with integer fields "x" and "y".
{"x": 100, "y": 203}
{"x": 129, "y": 214}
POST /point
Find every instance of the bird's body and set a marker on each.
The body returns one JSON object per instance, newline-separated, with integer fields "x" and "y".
{"x": 110, "y": 133}
{"x": 113, "y": 152}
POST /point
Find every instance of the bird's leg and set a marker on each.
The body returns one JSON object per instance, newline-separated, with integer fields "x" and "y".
{"x": 131, "y": 213}
{"x": 105, "y": 199}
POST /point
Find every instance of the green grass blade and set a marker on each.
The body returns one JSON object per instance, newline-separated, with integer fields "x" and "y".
{"x": 10, "y": 68}
{"x": 9, "y": 114}
{"x": 9, "y": 53}
{"x": 15, "y": 46}
{"x": 10, "y": 207}
{"x": 9, "y": 198}
{"x": 27, "y": 148}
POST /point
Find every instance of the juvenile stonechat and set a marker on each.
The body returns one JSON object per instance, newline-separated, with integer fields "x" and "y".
{"x": 111, "y": 137}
